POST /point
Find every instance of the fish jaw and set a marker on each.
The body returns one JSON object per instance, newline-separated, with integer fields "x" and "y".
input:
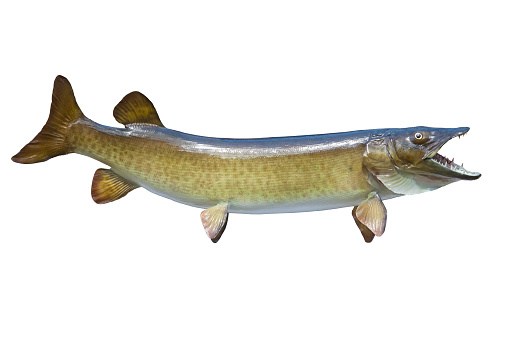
{"x": 444, "y": 135}
{"x": 436, "y": 163}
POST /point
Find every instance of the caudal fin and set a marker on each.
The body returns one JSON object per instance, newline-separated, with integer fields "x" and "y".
{"x": 51, "y": 140}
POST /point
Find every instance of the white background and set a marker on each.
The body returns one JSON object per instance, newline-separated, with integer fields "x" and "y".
{"x": 142, "y": 267}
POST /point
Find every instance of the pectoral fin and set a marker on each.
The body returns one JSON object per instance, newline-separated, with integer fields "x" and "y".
{"x": 365, "y": 231}
{"x": 372, "y": 214}
{"x": 398, "y": 182}
{"x": 214, "y": 221}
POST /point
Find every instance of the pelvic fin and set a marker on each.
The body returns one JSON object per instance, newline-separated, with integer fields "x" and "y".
{"x": 214, "y": 221}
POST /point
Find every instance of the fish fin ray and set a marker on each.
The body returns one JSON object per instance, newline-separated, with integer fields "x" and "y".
{"x": 399, "y": 183}
{"x": 367, "y": 234}
{"x": 51, "y": 140}
{"x": 372, "y": 213}
{"x": 214, "y": 220}
{"x": 107, "y": 186}
{"x": 135, "y": 108}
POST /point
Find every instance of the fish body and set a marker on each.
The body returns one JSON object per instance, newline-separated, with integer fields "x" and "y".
{"x": 269, "y": 175}
{"x": 266, "y": 175}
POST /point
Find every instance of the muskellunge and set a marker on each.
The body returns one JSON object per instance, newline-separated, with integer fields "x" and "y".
{"x": 267, "y": 175}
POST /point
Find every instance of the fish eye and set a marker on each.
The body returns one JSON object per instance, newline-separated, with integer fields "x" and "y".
{"x": 418, "y": 136}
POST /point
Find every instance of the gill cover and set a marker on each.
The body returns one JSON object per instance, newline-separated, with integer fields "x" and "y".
{"x": 378, "y": 159}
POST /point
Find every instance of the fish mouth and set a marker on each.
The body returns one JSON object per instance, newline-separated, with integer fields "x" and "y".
{"x": 442, "y": 165}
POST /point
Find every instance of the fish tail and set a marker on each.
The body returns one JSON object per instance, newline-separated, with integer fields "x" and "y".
{"x": 52, "y": 140}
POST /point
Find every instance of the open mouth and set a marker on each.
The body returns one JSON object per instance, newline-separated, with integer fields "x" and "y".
{"x": 449, "y": 167}
{"x": 450, "y": 164}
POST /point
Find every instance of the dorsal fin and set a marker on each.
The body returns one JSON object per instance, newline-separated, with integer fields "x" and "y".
{"x": 135, "y": 108}
{"x": 108, "y": 186}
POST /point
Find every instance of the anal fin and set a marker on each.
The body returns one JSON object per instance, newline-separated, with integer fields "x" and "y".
{"x": 372, "y": 214}
{"x": 107, "y": 186}
{"x": 214, "y": 221}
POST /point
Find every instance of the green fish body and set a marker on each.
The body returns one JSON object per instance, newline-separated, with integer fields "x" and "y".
{"x": 267, "y": 175}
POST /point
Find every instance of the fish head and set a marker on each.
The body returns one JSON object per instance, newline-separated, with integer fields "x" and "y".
{"x": 416, "y": 149}
{"x": 406, "y": 161}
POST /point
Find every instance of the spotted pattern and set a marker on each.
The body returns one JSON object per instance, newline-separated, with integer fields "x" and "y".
{"x": 250, "y": 184}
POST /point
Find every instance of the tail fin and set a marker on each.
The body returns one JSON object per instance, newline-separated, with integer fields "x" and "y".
{"x": 51, "y": 140}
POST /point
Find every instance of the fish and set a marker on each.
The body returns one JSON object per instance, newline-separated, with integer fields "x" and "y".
{"x": 358, "y": 169}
